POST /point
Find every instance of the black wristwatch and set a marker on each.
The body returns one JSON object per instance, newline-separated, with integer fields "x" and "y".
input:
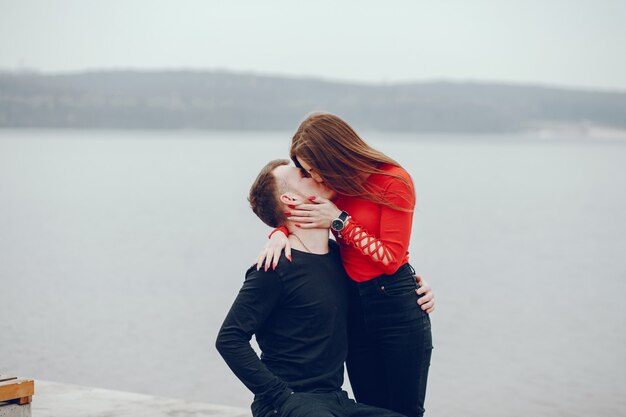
{"x": 340, "y": 222}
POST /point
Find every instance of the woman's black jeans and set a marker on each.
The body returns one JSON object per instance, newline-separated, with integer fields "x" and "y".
{"x": 390, "y": 343}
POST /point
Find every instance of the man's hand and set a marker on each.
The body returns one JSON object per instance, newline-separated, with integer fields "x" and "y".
{"x": 427, "y": 299}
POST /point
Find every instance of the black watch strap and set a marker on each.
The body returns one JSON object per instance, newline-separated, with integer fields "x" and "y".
{"x": 339, "y": 223}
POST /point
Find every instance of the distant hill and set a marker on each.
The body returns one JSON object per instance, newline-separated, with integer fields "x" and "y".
{"x": 221, "y": 100}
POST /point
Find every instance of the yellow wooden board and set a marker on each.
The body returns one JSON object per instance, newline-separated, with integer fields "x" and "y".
{"x": 13, "y": 389}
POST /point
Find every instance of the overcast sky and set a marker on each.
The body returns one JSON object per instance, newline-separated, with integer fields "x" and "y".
{"x": 578, "y": 43}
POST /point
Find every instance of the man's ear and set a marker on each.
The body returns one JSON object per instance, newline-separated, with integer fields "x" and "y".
{"x": 291, "y": 199}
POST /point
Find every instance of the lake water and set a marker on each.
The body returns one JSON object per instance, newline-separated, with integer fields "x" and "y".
{"x": 121, "y": 252}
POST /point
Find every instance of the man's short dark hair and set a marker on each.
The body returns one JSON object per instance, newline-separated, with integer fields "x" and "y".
{"x": 264, "y": 195}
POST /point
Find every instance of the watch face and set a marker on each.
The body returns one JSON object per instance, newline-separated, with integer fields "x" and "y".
{"x": 336, "y": 225}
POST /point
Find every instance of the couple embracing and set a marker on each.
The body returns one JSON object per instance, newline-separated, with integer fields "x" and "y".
{"x": 314, "y": 303}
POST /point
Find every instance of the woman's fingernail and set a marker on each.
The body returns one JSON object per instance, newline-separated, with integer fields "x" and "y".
{"x": 312, "y": 197}
{"x": 289, "y": 257}
{"x": 290, "y": 206}
{"x": 297, "y": 225}
{"x": 288, "y": 213}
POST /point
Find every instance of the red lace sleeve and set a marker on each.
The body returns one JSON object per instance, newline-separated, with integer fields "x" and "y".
{"x": 391, "y": 247}
{"x": 355, "y": 235}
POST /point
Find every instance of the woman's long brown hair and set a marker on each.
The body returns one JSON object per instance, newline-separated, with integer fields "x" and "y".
{"x": 341, "y": 158}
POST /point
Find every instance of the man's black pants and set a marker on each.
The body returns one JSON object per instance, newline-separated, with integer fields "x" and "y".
{"x": 332, "y": 404}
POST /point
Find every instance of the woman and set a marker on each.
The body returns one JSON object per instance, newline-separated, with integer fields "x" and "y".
{"x": 390, "y": 340}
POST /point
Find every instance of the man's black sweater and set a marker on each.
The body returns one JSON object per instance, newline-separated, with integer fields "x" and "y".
{"x": 298, "y": 313}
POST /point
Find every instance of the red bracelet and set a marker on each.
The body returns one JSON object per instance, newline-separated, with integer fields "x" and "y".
{"x": 280, "y": 229}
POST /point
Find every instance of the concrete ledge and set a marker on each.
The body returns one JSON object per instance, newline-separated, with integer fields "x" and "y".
{"x": 53, "y": 399}
{"x": 14, "y": 410}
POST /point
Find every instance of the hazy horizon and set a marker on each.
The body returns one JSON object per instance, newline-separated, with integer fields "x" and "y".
{"x": 211, "y": 100}
{"x": 441, "y": 80}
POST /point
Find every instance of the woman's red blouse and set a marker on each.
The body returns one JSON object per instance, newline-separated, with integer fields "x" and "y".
{"x": 376, "y": 240}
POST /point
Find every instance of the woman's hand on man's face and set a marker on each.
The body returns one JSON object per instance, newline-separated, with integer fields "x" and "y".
{"x": 315, "y": 215}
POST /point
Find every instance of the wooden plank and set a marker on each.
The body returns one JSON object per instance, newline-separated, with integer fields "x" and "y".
{"x": 6, "y": 378}
{"x": 16, "y": 388}
{"x": 25, "y": 400}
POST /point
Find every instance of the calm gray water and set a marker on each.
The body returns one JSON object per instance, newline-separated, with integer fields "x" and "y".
{"x": 120, "y": 253}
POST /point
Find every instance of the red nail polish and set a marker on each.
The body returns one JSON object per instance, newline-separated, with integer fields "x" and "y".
{"x": 289, "y": 257}
{"x": 291, "y": 206}
{"x": 312, "y": 198}
{"x": 288, "y": 213}
{"x": 297, "y": 225}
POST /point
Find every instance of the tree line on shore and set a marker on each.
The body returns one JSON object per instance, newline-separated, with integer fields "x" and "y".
{"x": 223, "y": 100}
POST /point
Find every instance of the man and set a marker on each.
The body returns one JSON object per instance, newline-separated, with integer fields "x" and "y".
{"x": 297, "y": 311}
